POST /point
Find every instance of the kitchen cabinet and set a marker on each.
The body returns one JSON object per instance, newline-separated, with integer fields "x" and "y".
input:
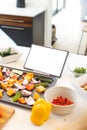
{"x": 24, "y": 30}
{"x": 36, "y": 10}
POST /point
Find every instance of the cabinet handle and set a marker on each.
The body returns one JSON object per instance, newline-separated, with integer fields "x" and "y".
{"x": 10, "y": 27}
{"x": 12, "y": 20}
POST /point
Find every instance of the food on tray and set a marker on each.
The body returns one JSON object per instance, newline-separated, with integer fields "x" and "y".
{"x": 19, "y": 72}
{"x": 40, "y": 89}
{"x": 22, "y": 100}
{"x": 28, "y": 76}
{"x": 36, "y": 96}
{"x": 40, "y": 111}
{"x": 1, "y": 93}
{"x": 10, "y": 91}
{"x": 30, "y": 87}
{"x": 21, "y": 87}
{"x": 26, "y": 93}
{"x": 45, "y": 84}
{"x": 80, "y": 70}
{"x": 16, "y": 96}
{"x": 7, "y": 52}
{"x": 30, "y": 100}
{"x": 1, "y": 112}
{"x": 43, "y": 79}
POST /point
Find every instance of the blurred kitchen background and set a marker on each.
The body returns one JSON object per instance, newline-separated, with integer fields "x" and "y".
{"x": 68, "y": 20}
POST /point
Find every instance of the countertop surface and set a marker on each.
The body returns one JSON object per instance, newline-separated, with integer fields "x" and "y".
{"x": 21, "y": 118}
{"x": 31, "y": 10}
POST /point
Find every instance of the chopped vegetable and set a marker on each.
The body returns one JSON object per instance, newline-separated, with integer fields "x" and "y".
{"x": 11, "y": 81}
{"x": 22, "y": 100}
{"x": 26, "y": 93}
{"x": 40, "y": 89}
{"x": 1, "y": 112}
{"x": 15, "y": 77}
{"x": 45, "y": 84}
{"x": 19, "y": 81}
{"x": 21, "y": 86}
{"x": 3, "y": 85}
{"x": 1, "y": 77}
{"x": 80, "y": 70}
{"x": 7, "y": 52}
{"x": 17, "y": 72}
{"x": 61, "y": 101}
{"x": 25, "y": 82}
{"x": 16, "y": 96}
{"x": 30, "y": 87}
{"x": 11, "y": 92}
{"x": 36, "y": 96}
{"x": 30, "y": 100}
{"x": 44, "y": 79}
{"x": 29, "y": 76}
{"x": 1, "y": 94}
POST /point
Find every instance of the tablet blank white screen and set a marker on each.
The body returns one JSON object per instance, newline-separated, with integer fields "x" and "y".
{"x": 47, "y": 60}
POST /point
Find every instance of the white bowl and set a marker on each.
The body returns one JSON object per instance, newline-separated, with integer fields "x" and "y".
{"x": 75, "y": 73}
{"x": 78, "y": 83}
{"x": 15, "y": 55}
{"x": 67, "y": 92}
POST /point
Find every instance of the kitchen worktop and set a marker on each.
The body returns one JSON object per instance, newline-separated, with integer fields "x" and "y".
{"x": 21, "y": 118}
{"x": 30, "y": 10}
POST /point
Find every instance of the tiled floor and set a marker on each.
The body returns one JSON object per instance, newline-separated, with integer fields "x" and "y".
{"x": 69, "y": 28}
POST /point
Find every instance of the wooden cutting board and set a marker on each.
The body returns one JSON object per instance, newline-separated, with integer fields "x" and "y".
{"x": 6, "y": 115}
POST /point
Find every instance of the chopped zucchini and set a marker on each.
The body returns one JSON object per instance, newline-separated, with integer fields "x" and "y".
{"x": 44, "y": 79}
{"x": 45, "y": 84}
{"x": 6, "y": 52}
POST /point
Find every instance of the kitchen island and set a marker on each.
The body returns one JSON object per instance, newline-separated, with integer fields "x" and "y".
{"x": 21, "y": 118}
{"x": 25, "y": 26}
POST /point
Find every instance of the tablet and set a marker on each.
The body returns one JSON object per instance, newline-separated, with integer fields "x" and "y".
{"x": 46, "y": 60}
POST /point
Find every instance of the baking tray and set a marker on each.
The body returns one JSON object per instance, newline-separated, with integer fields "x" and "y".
{"x": 7, "y": 99}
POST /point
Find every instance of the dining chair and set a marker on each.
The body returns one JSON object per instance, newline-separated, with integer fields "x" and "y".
{"x": 84, "y": 30}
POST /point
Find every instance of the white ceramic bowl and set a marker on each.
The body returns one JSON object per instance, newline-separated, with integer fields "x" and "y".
{"x": 67, "y": 92}
{"x": 76, "y": 74}
{"x": 78, "y": 83}
{"x": 15, "y": 55}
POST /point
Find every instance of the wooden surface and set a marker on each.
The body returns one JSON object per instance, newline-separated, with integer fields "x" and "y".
{"x": 6, "y": 115}
{"x": 12, "y": 20}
